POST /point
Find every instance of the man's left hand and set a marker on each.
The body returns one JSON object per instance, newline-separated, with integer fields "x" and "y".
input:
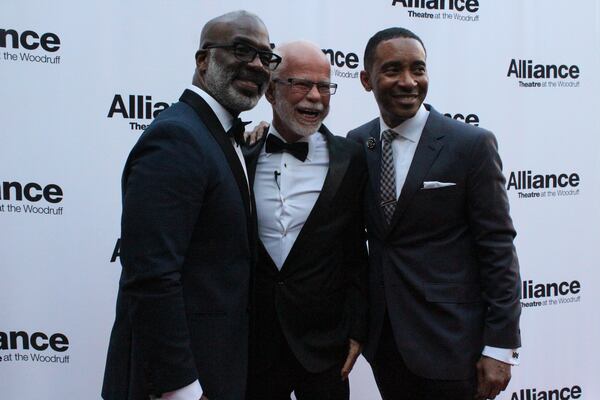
{"x": 257, "y": 133}
{"x": 492, "y": 377}
{"x": 354, "y": 350}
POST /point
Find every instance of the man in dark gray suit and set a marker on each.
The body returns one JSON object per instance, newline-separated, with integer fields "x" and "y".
{"x": 188, "y": 231}
{"x": 444, "y": 275}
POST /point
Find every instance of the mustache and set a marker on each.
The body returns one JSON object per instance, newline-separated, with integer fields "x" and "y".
{"x": 405, "y": 93}
{"x": 318, "y": 107}
{"x": 260, "y": 78}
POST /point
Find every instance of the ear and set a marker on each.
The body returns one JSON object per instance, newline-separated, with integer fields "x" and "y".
{"x": 365, "y": 79}
{"x": 201, "y": 60}
{"x": 270, "y": 93}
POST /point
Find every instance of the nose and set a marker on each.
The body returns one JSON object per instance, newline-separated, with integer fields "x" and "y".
{"x": 313, "y": 94}
{"x": 406, "y": 80}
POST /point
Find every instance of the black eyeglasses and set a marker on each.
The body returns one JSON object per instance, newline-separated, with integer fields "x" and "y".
{"x": 304, "y": 86}
{"x": 247, "y": 53}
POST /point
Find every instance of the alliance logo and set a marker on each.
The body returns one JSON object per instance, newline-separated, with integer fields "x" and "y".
{"x": 529, "y": 185}
{"x": 531, "y": 75}
{"x": 565, "y": 393}
{"x": 348, "y": 61}
{"x": 116, "y": 251}
{"x": 30, "y": 192}
{"x": 549, "y": 294}
{"x": 446, "y": 9}
{"x": 38, "y": 341}
{"x": 472, "y": 119}
{"x": 138, "y": 107}
{"x": 29, "y": 40}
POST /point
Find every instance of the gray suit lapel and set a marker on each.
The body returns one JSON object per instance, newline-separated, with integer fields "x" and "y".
{"x": 372, "y": 145}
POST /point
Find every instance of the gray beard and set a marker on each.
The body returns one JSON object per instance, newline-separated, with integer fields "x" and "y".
{"x": 286, "y": 113}
{"x": 218, "y": 84}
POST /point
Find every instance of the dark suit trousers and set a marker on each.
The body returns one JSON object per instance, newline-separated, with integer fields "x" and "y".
{"x": 286, "y": 375}
{"x": 396, "y": 382}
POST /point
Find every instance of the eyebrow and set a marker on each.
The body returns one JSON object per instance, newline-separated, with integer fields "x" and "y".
{"x": 395, "y": 63}
{"x": 250, "y": 42}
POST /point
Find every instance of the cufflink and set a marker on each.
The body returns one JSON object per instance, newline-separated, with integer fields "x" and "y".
{"x": 371, "y": 143}
{"x": 515, "y": 355}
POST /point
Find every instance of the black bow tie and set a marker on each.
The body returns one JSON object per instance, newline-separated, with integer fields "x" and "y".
{"x": 237, "y": 131}
{"x": 276, "y": 145}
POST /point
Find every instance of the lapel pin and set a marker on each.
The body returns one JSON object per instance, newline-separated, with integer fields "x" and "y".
{"x": 371, "y": 143}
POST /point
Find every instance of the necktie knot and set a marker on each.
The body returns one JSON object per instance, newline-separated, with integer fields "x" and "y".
{"x": 389, "y": 135}
{"x": 238, "y": 127}
{"x": 276, "y": 145}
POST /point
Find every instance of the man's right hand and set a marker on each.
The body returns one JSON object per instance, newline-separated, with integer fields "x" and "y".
{"x": 493, "y": 377}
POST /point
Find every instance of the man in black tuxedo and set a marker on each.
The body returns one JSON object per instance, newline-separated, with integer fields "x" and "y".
{"x": 188, "y": 241}
{"x": 444, "y": 276}
{"x": 310, "y": 307}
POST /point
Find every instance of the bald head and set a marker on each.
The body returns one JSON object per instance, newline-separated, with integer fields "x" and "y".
{"x": 299, "y": 91}
{"x": 237, "y": 83}
{"x": 300, "y": 55}
{"x": 218, "y": 29}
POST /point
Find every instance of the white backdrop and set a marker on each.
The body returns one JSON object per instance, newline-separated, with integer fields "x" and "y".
{"x": 71, "y": 59}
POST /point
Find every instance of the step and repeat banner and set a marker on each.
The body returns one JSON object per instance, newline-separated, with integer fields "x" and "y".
{"x": 80, "y": 81}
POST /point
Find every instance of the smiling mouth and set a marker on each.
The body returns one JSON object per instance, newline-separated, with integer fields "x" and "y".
{"x": 406, "y": 95}
{"x": 309, "y": 114}
{"x": 248, "y": 84}
{"x": 406, "y": 98}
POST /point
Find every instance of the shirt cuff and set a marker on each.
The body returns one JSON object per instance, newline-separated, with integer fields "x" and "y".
{"x": 509, "y": 356}
{"x": 193, "y": 391}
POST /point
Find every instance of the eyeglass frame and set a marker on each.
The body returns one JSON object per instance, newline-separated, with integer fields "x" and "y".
{"x": 274, "y": 58}
{"x": 292, "y": 83}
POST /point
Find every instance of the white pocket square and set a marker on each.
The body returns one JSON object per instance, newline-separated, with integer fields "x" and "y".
{"x": 436, "y": 184}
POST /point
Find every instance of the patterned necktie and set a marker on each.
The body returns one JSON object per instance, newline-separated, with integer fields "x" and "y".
{"x": 387, "y": 188}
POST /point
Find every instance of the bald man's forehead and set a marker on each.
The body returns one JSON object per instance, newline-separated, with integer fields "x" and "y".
{"x": 245, "y": 29}
{"x": 299, "y": 66}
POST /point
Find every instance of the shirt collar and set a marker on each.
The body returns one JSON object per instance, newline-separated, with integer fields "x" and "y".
{"x": 312, "y": 140}
{"x": 224, "y": 116}
{"x": 410, "y": 129}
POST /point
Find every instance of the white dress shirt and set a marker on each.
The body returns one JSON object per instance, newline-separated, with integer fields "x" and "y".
{"x": 286, "y": 190}
{"x": 403, "y": 150}
{"x": 193, "y": 391}
{"x": 405, "y": 144}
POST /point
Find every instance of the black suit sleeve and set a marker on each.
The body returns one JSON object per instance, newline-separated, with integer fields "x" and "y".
{"x": 163, "y": 186}
{"x": 493, "y": 234}
{"x": 355, "y": 252}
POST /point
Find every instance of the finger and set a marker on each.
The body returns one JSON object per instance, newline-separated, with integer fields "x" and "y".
{"x": 480, "y": 381}
{"x": 507, "y": 378}
{"x": 484, "y": 386}
{"x": 347, "y": 367}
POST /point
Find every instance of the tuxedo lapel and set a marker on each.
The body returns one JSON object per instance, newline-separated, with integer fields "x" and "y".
{"x": 211, "y": 121}
{"x": 372, "y": 144}
{"x": 338, "y": 165}
{"x": 429, "y": 146}
{"x": 251, "y": 154}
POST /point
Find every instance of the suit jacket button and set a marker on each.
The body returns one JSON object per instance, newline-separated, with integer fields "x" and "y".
{"x": 281, "y": 283}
